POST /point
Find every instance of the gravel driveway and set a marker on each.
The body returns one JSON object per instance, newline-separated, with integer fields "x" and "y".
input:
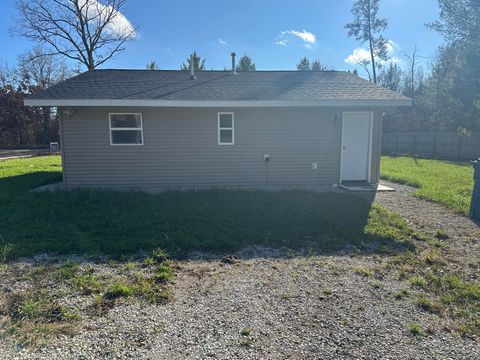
{"x": 314, "y": 307}
{"x": 22, "y": 153}
{"x": 426, "y": 216}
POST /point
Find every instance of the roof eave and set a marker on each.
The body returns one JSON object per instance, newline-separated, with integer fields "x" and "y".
{"x": 214, "y": 103}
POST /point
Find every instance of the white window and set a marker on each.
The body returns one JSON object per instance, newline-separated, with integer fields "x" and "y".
{"x": 225, "y": 129}
{"x": 126, "y": 129}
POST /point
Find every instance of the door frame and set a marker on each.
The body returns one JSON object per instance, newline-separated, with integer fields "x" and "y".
{"x": 370, "y": 142}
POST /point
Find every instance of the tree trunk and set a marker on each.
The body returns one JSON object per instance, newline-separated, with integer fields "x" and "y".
{"x": 372, "y": 55}
{"x": 373, "y": 62}
{"x": 91, "y": 62}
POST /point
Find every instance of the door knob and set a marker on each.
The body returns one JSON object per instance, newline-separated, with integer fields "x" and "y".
{"x": 344, "y": 147}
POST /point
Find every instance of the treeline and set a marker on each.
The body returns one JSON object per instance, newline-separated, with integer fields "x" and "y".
{"x": 22, "y": 125}
{"x": 448, "y": 96}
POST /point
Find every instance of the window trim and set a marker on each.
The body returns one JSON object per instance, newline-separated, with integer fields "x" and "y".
{"x": 110, "y": 128}
{"x": 226, "y": 128}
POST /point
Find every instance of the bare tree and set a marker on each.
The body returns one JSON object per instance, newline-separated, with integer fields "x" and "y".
{"x": 412, "y": 59}
{"x": 365, "y": 65}
{"x": 37, "y": 72}
{"x": 88, "y": 31}
{"x": 41, "y": 71}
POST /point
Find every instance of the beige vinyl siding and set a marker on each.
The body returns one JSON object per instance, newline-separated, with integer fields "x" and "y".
{"x": 181, "y": 148}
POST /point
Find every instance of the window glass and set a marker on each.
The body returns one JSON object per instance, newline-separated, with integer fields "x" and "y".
{"x": 126, "y": 129}
{"x": 125, "y": 121}
{"x": 226, "y": 120}
{"x": 226, "y": 136}
{"x": 126, "y": 137}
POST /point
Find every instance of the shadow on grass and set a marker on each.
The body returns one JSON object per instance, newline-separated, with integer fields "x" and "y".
{"x": 116, "y": 223}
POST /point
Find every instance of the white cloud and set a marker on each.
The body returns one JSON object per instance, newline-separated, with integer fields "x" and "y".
{"x": 222, "y": 42}
{"x": 307, "y": 38}
{"x": 361, "y": 54}
{"x": 395, "y": 60}
{"x": 390, "y": 46}
{"x": 358, "y": 55}
{"x": 119, "y": 25}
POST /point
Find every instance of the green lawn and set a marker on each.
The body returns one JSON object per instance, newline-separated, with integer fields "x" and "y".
{"x": 445, "y": 182}
{"x": 121, "y": 222}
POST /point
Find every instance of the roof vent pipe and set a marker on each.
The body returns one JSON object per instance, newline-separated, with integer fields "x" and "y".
{"x": 192, "y": 68}
{"x": 233, "y": 63}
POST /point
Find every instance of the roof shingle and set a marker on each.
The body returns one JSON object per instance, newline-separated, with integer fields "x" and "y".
{"x": 217, "y": 86}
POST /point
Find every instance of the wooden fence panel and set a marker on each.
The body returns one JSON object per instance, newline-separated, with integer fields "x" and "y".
{"x": 436, "y": 145}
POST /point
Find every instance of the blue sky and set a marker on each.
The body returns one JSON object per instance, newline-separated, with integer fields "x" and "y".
{"x": 275, "y": 33}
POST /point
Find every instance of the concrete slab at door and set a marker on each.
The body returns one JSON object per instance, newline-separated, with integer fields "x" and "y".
{"x": 356, "y": 146}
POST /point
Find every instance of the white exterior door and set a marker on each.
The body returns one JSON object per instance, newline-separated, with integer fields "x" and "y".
{"x": 356, "y": 141}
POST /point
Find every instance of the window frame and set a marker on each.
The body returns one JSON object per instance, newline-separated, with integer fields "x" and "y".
{"x": 110, "y": 128}
{"x": 226, "y": 128}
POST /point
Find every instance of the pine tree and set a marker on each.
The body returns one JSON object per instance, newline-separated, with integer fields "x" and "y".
{"x": 198, "y": 63}
{"x": 304, "y": 64}
{"x": 318, "y": 66}
{"x": 368, "y": 27}
{"x": 246, "y": 64}
{"x": 152, "y": 65}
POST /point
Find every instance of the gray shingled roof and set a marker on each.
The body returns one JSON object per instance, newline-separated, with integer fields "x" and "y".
{"x": 217, "y": 86}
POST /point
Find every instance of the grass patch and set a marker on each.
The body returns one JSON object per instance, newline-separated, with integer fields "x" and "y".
{"x": 434, "y": 257}
{"x": 159, "y": 296}
{"x": 401, "y": 294}
{"x": 117, "y": 223}
{"x": 35, "y": 318}
{"x": 87, "y": 284}
{"x": 44, "y": 308}
{"x": 429, "y": 304}
{"x": 418, "y": 281}
{"x": 156, "y": 257}
{"x": 448, "y": 183}
{"x": 119, "y": 289}
{"x": 377, "y": 284}
{"x": 151, "y": 288}
{"x": 5, "y": 249}
{"x": 66, "y": 271}
{"x": 163, "y": 272}
{"x": 245, "y": 332}
{"x": 444, "y": 292}
{"x": 327, "y": 291}
{"x": 441, "y": 235}
{"x": 415, "y": 329}
{"x": 364, "y": 271}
